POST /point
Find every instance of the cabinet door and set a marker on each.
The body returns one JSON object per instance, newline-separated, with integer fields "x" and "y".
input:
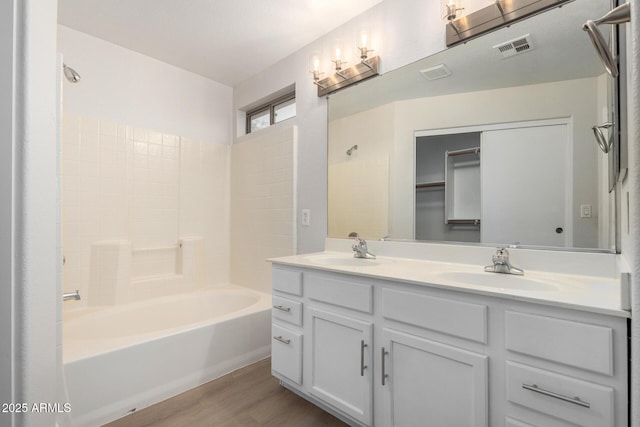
{"x": 427, "y": 383}
{"x": 341, "y": 363}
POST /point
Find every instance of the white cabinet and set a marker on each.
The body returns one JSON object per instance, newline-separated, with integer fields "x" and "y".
{"x": 341, "y": 363}
{"x": 286, "y": 353}
{"x": 429, "y": 383}
{"x": 380, "y": 353}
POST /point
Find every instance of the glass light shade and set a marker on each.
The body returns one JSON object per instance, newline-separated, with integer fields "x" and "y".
{"x": 451, "y": 9}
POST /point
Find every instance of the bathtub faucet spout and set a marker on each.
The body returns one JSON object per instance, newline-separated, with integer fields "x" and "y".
{"x": 71, "y": 295}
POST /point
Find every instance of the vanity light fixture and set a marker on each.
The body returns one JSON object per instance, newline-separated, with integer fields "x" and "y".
{"x": 500, "y": 14}
{"x": 451, "y": 11}
{"x": 498, "y": 4}
{"x": 314, "y": 67}
{"x": 344, "y": 77}
{"x": 338, "y": 56}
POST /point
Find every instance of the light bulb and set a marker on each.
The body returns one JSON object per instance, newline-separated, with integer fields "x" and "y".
{"x": 338, "y": 56}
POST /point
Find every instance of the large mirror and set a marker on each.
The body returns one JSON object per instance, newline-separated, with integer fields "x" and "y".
{"x": 474, "y": 144}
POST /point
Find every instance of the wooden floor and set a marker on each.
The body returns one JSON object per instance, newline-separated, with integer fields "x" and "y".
{"x": 246, "y": 398}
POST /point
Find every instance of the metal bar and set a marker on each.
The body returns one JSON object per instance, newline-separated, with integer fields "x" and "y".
{"x": 384, "y": 374}
{"x": 282, "y": 340}
{"x": 575, "y": 400}
{"x": 362, "y": 365}
{"x": 463, "y": 221}
{"x": 431, "y": 184}
{"x": 352, "y": 75}
{"x": 474, "y": 150}
{"x": 281, "y": 308}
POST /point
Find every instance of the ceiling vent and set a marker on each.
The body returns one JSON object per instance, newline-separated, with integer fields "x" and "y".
{"x": 437, "y": 72}
{"x": 515, "y": 47}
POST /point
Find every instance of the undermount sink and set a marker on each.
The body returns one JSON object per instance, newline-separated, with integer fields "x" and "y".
{"x": 497, "y": 280}
{"x": 341, "y": 260}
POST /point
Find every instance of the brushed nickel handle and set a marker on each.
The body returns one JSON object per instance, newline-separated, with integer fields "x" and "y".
{"x": 575, "y": 400}
{"x": 603, "y": 142}
{"x": 282, "y": 308}
{"x": 282, "y": 340}
{"x": 384, "y": 374}
{"x": 362, "y": 365}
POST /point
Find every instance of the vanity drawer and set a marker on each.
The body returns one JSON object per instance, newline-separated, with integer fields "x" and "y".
{"x": 340, "y": 292}
{"x": 460, "y": 319}
{"x": 580, "y": 402}
{"x": 582, "y": 345}
{"x": 287, "y": 310}
{"x": 286, "y": 353}
{"x": 287, "y": 281}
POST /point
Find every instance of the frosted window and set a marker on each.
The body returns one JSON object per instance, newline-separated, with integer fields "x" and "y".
{"x": 260, "y": 120}
{"x": 284, "y": 111}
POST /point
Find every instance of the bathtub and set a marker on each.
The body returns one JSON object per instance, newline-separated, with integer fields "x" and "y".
{"x": 123, "y": 358}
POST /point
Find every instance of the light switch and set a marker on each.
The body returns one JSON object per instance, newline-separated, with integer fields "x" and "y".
{"x": 585, "y": 211}
{"x": 306, "y": 216}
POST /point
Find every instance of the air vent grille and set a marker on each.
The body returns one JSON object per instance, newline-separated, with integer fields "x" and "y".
{"x": 516, "y": 46}
{"x": 437, "y": 72}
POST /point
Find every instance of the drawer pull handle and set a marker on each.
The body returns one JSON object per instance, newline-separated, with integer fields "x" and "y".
{"x": 281, "y": 308}
{"x": 574, "y": 400}
{"x": 282, "y": 340}
{"x": 362, "y": 365}
{"x": 384, "y": 374}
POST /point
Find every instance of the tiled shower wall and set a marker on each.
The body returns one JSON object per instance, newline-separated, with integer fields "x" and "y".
{"x": 146, "y": 188}
{"x": 263, "y": 222}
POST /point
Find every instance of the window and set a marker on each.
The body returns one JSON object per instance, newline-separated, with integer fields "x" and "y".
{"x": 274, "y": 112}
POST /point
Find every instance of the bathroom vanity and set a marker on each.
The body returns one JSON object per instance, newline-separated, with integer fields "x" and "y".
{"x": 398, "y": 341}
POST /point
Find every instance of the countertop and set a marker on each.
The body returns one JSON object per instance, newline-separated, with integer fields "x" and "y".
{"x": 586, "y": 293}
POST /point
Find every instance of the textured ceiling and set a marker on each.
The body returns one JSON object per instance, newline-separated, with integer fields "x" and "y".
{"x": 224, "y": 40}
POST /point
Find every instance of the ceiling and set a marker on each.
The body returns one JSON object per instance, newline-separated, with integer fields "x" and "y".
{"x": 225, "y": 40}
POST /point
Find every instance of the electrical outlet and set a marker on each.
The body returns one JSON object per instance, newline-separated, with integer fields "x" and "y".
{"x": 306, "y": 216}
{"x": 585, "y": 211}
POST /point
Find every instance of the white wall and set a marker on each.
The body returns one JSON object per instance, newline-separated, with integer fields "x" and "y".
{"x": 28, "y": 291}
{"x": 126, "y": 87}
{"x": 402, "y": 31}
{"x": 7, "y": 39}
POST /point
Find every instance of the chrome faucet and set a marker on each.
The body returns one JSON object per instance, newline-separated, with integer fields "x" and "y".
{"x": 71, "y": 295}
{"x": 501, "y": 264}
{"x": 360, "y": 249}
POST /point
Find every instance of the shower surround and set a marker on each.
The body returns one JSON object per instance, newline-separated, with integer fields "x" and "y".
{"x": 145, "y": 214}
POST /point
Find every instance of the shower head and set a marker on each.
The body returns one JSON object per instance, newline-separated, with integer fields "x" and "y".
{"x": 350, "y": 150}
{"x": 70, "y": 74}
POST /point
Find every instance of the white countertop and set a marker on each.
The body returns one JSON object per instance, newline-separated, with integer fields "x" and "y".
{"x": 586, "y": 293}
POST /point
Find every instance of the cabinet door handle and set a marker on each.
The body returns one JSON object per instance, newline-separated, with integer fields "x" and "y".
{"x": 384, "y": 374}
{"x": 362, "y": 365}
{"x": 575, "y": 400}
{"x": 282, "y": 340}
{"x": 282, "y": 308}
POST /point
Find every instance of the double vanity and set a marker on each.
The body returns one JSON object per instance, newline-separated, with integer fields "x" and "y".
{"x": 404, "y": 340}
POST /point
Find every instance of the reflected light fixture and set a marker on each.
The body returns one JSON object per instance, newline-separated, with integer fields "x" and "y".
{"x": 499, "y": 14}
{"x": 498, "y": 4}
{"x": 344, "y": 77}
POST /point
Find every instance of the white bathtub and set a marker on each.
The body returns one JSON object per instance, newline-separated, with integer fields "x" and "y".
{"x": 126, "y": 357}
